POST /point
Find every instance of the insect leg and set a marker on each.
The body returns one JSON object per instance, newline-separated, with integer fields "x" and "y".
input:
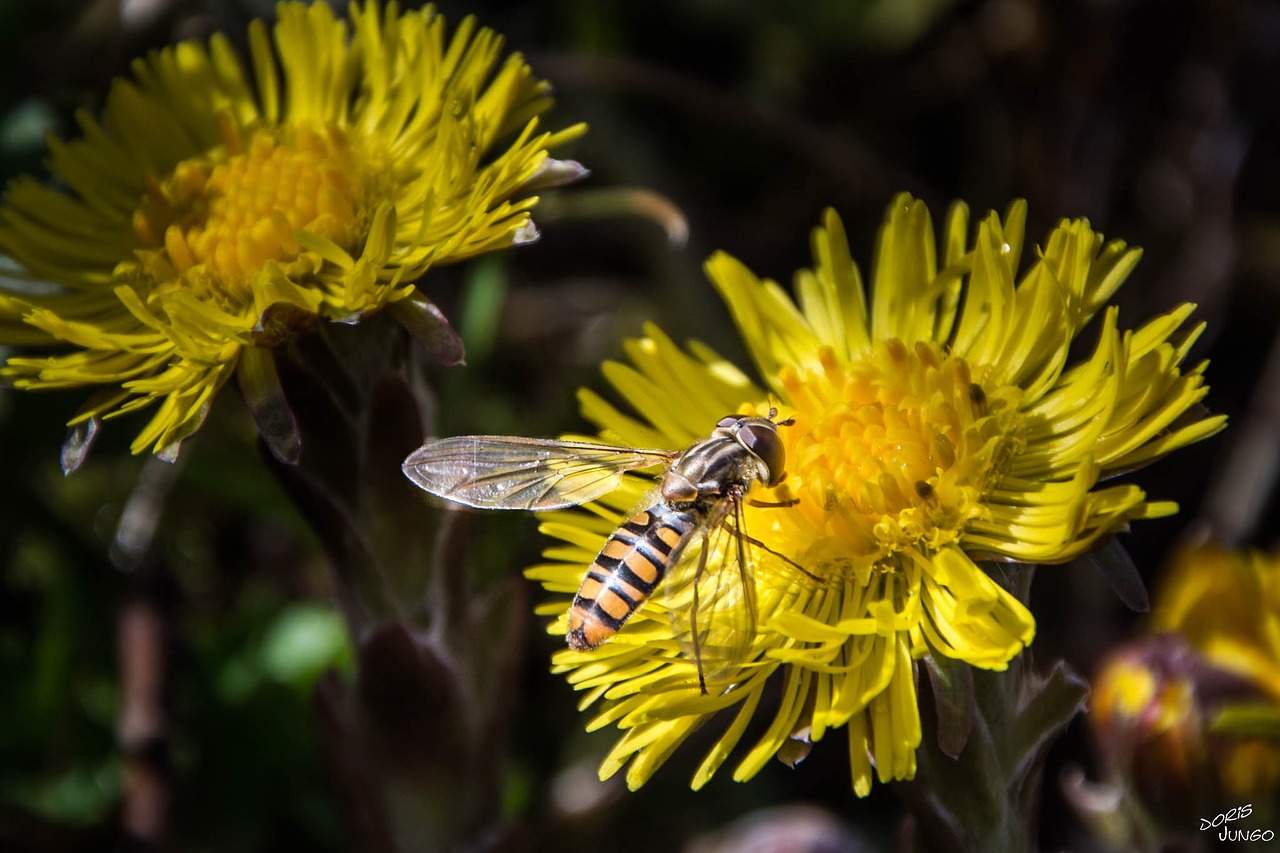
{"x": 742, "y": 534}
{"x": 748, "y": 588}
{"x": 773, "y": 504}
{"x": 693, "y": 615}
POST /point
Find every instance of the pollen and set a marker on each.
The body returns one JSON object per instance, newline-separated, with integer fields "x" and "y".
{"x": 892, "y": 452}
{"x": 234, "y": 209}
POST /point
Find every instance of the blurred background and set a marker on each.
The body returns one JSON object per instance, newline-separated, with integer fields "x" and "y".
{"x": 1156, "y": 119}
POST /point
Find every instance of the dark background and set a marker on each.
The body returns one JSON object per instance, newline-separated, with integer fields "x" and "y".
{"x": 1156, "y": 120}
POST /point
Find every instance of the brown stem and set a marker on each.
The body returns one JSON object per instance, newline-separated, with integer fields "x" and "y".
{"x": 142, "y": 644}
{"x": 1247, "y": 478}
{"x": 839, "y": 154}
{"x": 143, "y": 731}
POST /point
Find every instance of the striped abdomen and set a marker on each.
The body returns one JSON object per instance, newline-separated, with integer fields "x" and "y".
{"x": 626, "y": 571}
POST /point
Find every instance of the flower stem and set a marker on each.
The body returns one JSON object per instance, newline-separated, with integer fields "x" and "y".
{"x": 986, "y": 796}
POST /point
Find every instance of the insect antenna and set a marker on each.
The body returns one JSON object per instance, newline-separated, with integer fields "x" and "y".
{"x": 773, "y": 413}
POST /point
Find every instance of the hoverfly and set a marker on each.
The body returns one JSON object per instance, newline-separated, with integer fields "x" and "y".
{"x": 701, "y": 492}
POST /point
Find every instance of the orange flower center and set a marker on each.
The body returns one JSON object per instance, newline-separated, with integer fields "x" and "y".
{"x": 890, "y": 453}
{"x": 224, "y": 215}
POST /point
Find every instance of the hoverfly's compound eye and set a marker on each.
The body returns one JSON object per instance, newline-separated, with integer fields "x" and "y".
{"x": 729, "y": 420}
{"x": 761, "y": 438}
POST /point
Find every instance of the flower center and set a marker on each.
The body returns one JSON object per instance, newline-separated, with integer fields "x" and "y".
{"x": 890, "y": 453}
{"x": 220, "y": 217}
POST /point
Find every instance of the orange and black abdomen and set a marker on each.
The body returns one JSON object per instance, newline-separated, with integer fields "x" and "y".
{"x": 626, "y": 571}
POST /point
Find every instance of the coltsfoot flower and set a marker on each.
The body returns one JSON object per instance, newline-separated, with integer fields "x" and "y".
{"x": 935, "y": 425}
{"x": 1227, "y": 605}
{"x": 213, "y": 211}
{"x": 1188, "y": 717}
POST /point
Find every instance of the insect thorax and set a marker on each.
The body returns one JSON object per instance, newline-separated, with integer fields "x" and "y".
{"x": 711, "y": 469}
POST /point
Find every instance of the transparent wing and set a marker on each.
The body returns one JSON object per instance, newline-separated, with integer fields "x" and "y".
{"x": 508, "y": 472}
{"x": 711, "y": 599}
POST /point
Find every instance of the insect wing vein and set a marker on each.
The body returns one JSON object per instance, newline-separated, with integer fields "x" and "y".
{"x": 509, "y": 472}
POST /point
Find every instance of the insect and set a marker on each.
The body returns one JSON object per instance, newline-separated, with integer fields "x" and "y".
{"x": 701, "y": 493}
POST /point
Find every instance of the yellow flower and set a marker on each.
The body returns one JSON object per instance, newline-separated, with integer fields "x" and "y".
{"x": 938, "y": 424}
{"x": 1189, "y": 716}
{"x": 215, "y": 210}
{"x": 1227, "y": 605}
